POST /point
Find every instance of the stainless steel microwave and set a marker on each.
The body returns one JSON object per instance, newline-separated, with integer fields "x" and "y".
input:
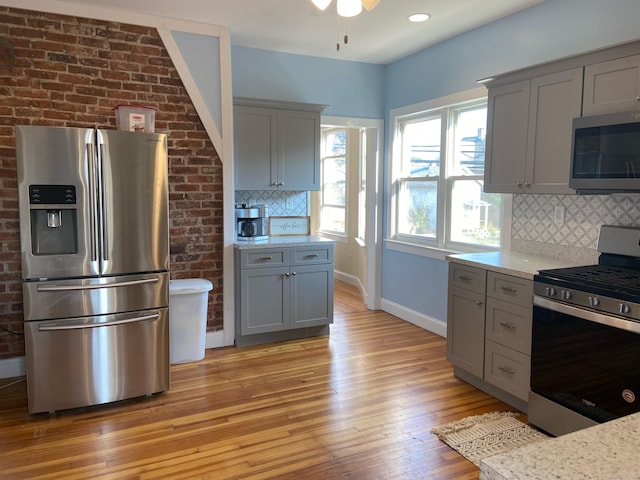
{"x": 605, "y": 155}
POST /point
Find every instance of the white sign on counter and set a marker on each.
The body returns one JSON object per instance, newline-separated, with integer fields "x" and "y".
{"x": 289, "y": 226}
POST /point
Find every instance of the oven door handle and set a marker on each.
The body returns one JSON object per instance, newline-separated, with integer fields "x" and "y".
{"x": 51, "y": 327}
{"x": 588, "y": 315}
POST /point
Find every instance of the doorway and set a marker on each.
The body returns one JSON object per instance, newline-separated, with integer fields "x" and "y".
{"x": 358, "y": 242}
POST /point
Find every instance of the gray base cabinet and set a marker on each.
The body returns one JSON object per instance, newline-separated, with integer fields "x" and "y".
{"x": 283, "y": 289}
{"x": 489, "y": 331}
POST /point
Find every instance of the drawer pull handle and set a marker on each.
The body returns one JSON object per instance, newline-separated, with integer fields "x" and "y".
{"x": 464, "y": 278}
{"x": 510, "y": 326}
{"x": 311, "y": 255}
{"x": 478, "y": 302}
{"x": 266, "y": 258}
{"x": 507, "y": 370}
{"x": 509, "y": 289}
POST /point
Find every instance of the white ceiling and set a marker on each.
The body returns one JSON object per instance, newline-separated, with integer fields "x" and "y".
{"x": 381, "y": 36}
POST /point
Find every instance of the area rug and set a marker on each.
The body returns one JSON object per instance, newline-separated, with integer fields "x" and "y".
{"x": 482, "y": 436}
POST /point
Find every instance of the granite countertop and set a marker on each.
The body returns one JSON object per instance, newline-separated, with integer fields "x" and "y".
{"x": 604, "y": 452}
{"x": 284, "y": 241}
{"x": 517, "y": 264}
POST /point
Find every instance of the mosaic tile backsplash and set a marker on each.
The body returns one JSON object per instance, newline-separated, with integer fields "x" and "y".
{"x": 280, "y": 204}
{"x": 533, "y": 217}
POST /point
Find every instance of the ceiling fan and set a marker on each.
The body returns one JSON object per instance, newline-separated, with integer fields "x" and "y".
{"x": 347, "y": 8}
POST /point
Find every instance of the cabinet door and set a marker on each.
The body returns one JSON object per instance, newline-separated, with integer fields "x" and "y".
{"x": 311, "y": 295}
{"x": 507, "y": 127}
{"x": 264, "y": 300}
{"x": 465, "y": 330}
{"x": 556, "y": 100}
{"x": 298, "y": 150}
{"x": 255, "y": 145}
{"x": 612, "y": 86}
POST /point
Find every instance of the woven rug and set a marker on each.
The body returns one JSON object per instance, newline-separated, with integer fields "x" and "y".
{"x": 482, "y": 436}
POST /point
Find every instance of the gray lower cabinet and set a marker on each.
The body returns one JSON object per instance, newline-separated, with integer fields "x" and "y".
{"x": 489, "y": 331}
{"x": 283, "y": 293}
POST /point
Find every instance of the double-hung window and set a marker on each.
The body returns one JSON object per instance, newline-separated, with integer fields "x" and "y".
{"x": 437, "y": 172}
{"x": 333, "y": 194}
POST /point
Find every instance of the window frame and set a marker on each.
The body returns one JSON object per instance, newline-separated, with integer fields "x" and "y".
{"x": 321, "y": 203}
{"x": 441, "y": 245}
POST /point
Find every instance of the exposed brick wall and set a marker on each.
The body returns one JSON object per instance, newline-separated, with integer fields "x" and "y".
{"x": 65, "y": 71}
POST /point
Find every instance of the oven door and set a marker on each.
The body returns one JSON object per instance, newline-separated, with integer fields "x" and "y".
{"x": 585, "y": 361}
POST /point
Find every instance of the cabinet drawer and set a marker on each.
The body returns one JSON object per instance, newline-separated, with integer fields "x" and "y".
{"x": 311, "y": 255}
{"x": 264, "y": 257}
{"x": 509, "y": 325}
{"x": 509, "y": 288}
{"x": 469, "y": 278}
{"x": 507, "y": 369}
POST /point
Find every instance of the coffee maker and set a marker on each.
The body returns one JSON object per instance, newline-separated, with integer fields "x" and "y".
{"x": 251, "y": 222}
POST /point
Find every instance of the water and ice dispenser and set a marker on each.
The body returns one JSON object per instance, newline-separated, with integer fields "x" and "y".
{"x": 53, "y": 216}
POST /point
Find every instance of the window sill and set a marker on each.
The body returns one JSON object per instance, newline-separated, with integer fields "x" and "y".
{"x": 416, "y": 249}
{"x": 428, "y": 251}
{"x": 333, "y": 236}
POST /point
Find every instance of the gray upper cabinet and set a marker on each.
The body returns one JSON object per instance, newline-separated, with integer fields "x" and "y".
{"x": 529, "y": 133}
{"x": 612, "y": 86}
{"x": 276, "y": 149}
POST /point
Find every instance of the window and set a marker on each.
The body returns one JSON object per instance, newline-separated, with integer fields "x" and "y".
{"x": 333, "y": 194}
{"x": 438, "y": 171}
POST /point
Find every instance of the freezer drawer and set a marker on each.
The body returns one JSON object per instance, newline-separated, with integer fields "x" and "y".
{"x": 92, "y": 360}
{"x": 94, "y": 296}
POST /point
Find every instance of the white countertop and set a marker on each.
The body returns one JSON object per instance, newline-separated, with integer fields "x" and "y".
{"x": 283, "y": 241}
{"x": 608, "y": 451}
{"x": 514, "y": 263}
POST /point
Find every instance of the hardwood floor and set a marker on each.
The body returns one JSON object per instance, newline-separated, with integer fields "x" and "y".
{"x": 358, "y": 403}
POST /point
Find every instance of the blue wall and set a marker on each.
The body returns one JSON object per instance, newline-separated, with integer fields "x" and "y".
{"x": 350, "y": 89}
{"x": 551, "y": 30}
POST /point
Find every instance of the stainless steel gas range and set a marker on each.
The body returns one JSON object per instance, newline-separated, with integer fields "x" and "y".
{"x": 585, "y": 355}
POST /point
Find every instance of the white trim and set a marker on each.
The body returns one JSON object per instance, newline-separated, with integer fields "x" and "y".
{"x": 228, "y": 191}
{"x": 214, "y": 339}
{"x": 352, "y": 280}
{"x": 96, "y": 12}
{"x": 420, "y": 319}
{"x": 417, "y": 108}
{"x": 12, "y": 367}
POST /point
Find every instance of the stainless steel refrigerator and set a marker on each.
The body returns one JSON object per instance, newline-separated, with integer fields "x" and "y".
{"x": 95, "y": 259}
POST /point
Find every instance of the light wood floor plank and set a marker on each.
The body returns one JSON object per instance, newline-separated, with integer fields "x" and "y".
{"x": 358, "y": 403}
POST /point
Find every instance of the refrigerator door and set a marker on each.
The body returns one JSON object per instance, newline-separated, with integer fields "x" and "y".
{"x": 56, "y": 194}
{"x": 133, "y": 202}
{"x": 79, "y": 297}
{"x": 90, "y": 360}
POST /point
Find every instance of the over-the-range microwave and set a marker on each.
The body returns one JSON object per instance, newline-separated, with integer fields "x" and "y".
{"x": 605, "y": 156}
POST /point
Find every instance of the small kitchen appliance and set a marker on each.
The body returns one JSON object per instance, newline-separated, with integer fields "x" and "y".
{"x": 252, "y": 222}
{"x": 585, "y": 349}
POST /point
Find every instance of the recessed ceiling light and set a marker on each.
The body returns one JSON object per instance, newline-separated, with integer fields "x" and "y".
{"x": 419, "y": 17}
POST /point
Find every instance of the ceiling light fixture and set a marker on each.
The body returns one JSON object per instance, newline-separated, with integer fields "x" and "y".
{"x": 418, "y": 17}
{"x": 346, "y": 9}
{"x": 349, "y": 8}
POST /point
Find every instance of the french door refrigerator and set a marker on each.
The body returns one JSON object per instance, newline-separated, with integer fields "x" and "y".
{"x": 95, "y": 258}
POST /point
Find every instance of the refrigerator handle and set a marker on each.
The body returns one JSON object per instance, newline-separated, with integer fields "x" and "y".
{"x": 95, "y": 286}
{"x": 49, "y": 327}
{"x": 103, "y": 211}
{"x": 93, "y": 218}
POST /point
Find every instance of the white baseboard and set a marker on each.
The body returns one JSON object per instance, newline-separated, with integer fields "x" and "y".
{"x": 12, "y": 367}
{"x": 214, "y": 339}
{"x": 420, "y": 319}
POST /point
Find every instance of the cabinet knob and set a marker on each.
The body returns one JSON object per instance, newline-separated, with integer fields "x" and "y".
{"x": 507, "y": 370}
{"x": 293, "y": 273}
{"x": 527, "y": 184}
{"x": 478, "y": 302}
{"x": 286, "y": 274}
{"x": 519, "y": 184}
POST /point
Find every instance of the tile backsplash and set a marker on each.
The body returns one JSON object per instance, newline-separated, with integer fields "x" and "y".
{"x": 533, "y": 218}
{"x": 281, "y": 203}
